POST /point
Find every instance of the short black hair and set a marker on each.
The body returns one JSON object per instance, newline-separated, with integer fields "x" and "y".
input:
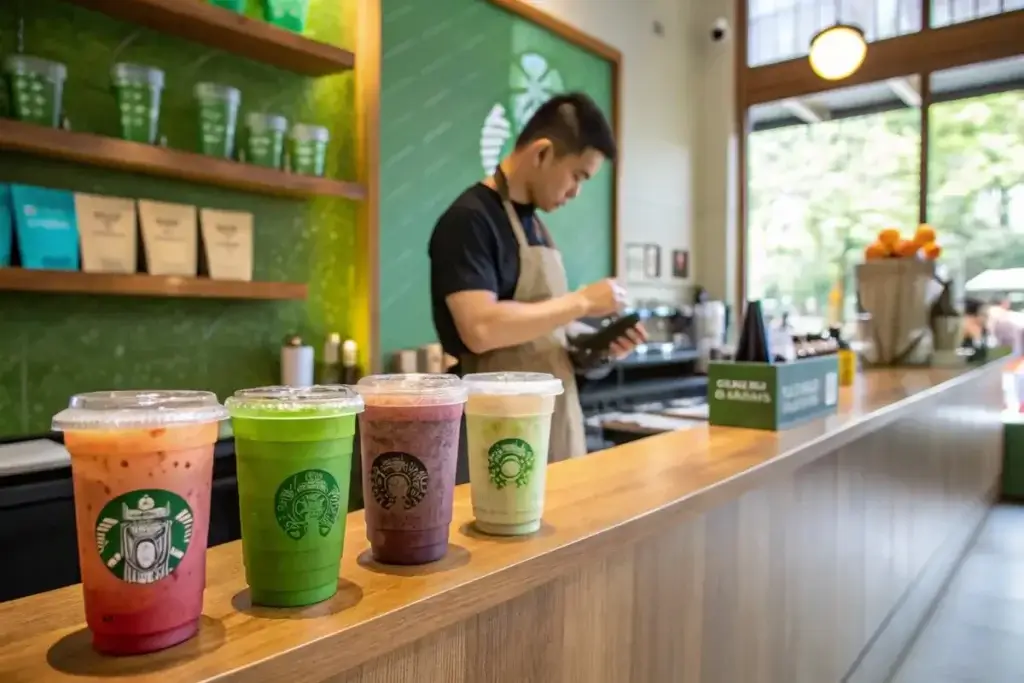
{"x": 973, "y": 306}
{"x": 574, "y": 123}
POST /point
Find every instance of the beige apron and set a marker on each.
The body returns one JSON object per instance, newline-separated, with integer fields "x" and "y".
{"x": 541, "y": 277}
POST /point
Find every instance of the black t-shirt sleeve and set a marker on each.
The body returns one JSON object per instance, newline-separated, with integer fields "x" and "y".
{"x": 463, "y": 253}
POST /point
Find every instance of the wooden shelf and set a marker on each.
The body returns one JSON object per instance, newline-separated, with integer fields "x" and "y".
{"x": 208, "y": 24}
{"x": 106, "y": 152}
{"x": 75, "y": 282}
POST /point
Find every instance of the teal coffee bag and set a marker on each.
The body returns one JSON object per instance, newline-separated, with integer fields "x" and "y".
{"x": 46, "y": 226}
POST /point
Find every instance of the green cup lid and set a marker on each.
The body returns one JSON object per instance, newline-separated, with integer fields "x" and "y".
{"x": 138, "y": 409}
{"x": 262, "y": 122}
{"x": 306, "y": 131}
{"x": 414, "y": 389}
{"x": 24, "y": 64}
{"x": 216, "y": 91}
{"x": 124, "y": 72}
{"x": 514, "y": 384}
{"x": 331, "y": 400}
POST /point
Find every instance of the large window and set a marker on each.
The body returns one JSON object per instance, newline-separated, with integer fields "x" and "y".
{"x": 827, "y": 172}
{"x": 946, "y": 12}
{"x": 818, "y": 194}
{"x": 976, "y": 182}
{"x": 782, "y": 29}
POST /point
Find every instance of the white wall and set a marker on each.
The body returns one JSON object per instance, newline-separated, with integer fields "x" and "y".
{"x": 676, "y": 129}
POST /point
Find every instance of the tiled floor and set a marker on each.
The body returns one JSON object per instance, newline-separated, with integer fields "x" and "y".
{"x": 976, "y": 634}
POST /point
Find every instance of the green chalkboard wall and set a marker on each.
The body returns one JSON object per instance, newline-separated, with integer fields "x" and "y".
{"x": 458, "y": 79}
{"x": 52, "y": 346}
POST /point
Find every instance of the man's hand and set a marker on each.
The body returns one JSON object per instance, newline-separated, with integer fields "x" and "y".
{"x": 604, "y": 297}
{"x": 624, "y": 345}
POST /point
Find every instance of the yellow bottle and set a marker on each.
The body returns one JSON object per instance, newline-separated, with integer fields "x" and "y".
{"x": 847, "y": 367}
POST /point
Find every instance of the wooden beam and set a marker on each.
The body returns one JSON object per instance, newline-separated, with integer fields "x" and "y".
{"x": 926, "y": 103}
{"x": 933, "y": 49}
{"x": 367, "y": 95}
{"x": 562, "y": 29}
{"x": 743, "y": 128}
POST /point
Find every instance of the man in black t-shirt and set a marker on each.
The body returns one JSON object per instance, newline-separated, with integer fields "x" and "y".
{"x": 497, "y": 284}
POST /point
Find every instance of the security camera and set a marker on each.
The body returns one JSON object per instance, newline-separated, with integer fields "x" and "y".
{"x": 719, "y": 29}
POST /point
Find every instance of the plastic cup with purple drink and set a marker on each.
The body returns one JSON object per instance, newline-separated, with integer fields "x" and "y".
{"x": 409, "y": 438}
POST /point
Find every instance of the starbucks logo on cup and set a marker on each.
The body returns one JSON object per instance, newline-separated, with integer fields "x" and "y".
{"x": 305, "y": 500}
{"x": 398, "y": 478}
{"x": 142, "y": 536}
{"x": 510, "y": 461}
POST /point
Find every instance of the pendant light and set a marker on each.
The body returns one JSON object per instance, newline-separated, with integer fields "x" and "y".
{"x": 839, "y": 50}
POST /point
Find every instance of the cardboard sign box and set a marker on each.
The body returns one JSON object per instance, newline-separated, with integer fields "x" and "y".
{"x": 772, "y": 396}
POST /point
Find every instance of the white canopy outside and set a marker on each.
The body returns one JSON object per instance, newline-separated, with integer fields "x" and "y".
{"x": 1006, "y": 280}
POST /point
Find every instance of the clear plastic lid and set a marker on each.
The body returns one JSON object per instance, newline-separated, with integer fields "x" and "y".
{"x": 24, "y": 64}
{"x": 514, "y": 384}
{"x": 317, "y": 401}
{"x": 263, "y": 122}
{"x": 305, "y": 132}
{"x": 216, "y": 91}
{"x": 138, "y": 409}
{"x": 413, "y": 389}
{"x": 137, "y": 73}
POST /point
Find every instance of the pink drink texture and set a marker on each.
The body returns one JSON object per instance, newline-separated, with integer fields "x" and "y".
{"x": 409, "y": 455}
{"x": 135, "y": 618}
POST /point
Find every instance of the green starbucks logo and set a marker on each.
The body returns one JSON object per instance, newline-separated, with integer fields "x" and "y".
{"x": 510, "y": 461}
{"x": 143, "y": 535}
{"x": 532, "y": 82}
{"x": 398, "y": 477}
{"x": 305, "y": 500}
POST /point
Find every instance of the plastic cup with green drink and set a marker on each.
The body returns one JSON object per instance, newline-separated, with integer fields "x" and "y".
{"x": 218, "y": 118}
{"x": 508, "y": 428}
{"x": 138, "y": 89}
{"x": 287, "y": 14}
{"x": 294, "y": 456}
{"x": 307, "y": 148}
{"x": 37, "y": 89}
{"x": 264, "y": 139}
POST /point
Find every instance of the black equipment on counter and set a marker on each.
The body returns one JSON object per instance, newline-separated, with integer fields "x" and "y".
{"x": 753, "y": 345}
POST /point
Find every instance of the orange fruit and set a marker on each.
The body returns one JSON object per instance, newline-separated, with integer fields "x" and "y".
{"x": 889, "y": 237}
{"x": 925, "y": 235}
{"x": 931, "y": 251}
{"x": 875, "y": 251}
{"x": 905, "y": 249}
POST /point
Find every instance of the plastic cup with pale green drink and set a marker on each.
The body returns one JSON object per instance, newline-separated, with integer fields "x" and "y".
{"x": 37, "y": 89}
{"x": 508, "y": 428}
{"x": 218, "y": 118}
{"x": 293, "y": 449}
{"x": 138, "y": 89}
{"x": 307, "y": 148}
{"x": 264, "y": 139}
{"x": 287, "y": 14}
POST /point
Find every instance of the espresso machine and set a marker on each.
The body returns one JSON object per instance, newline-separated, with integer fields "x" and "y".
{"x": 666, "y": 325}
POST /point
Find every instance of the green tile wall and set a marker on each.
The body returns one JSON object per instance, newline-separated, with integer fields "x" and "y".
{"x": 446, "y": 63}
{"x": 52, "y": 346}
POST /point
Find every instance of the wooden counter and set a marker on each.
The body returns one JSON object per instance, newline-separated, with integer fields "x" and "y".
{"x": 710, "y": 555}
